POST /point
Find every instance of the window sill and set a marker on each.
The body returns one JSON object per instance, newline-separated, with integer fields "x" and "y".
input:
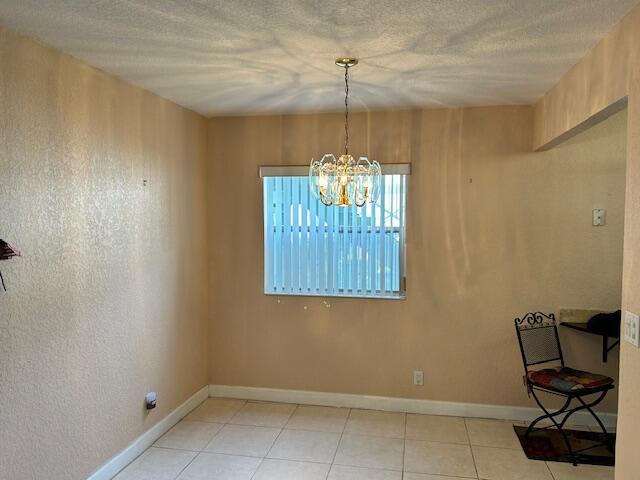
{"x": 402, "y": 296}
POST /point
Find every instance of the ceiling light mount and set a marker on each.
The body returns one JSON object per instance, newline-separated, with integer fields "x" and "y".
{"x": 346, "y": 62}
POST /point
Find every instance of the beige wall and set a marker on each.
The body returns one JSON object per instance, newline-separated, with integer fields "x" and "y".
{"x": 109, "y": 299}
{"x": 493, "y": 231}
{"x": 627, "y": 458}
{"x": 586, "y": 94}
{"x": 593, "y": 88}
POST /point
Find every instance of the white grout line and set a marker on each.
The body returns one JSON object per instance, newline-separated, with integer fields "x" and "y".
{"x": 257, "y": 468}
{"x": 281, "y": 430}
{"x": 404, "y": 443}
{"x": 274, "y": 442}
{"x": 550, "y": 472}
{"x": 237, "y": 412}
{"x": 344, "y": 427}
{"x": 185, "y": 467}
{"x": 473, "y": 457}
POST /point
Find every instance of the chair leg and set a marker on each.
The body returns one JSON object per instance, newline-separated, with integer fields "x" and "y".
{"x": 588, "y": 406}
{"x": 546, "y": 415}
{"x": 582, "y": 407}
{"x": 551, "y": 416}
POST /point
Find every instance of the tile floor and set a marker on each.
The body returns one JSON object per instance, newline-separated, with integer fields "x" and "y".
{"x": 231, "y": 439}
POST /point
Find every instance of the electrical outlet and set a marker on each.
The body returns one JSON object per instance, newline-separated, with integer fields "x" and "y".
{"x": 632, "y": 328}
{"x": 418, "y": 378}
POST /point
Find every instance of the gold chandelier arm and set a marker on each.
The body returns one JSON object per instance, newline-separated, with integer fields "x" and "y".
{"x": 364, "y": 197}
{"x": 323, "y": 196}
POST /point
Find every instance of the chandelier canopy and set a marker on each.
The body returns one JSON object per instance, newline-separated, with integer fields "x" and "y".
{"x": 345, "y": 181}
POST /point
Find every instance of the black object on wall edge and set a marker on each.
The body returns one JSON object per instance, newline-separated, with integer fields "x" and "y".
{"x": 6, "y": 252}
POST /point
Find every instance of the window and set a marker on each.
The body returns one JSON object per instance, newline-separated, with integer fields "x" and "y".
{"x": 311, "y": 249}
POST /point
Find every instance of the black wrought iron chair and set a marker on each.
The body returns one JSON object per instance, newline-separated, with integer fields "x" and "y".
{"x": 540, "y": 344}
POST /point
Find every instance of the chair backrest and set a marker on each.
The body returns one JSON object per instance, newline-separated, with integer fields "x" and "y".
{"x": 538, "y": 337}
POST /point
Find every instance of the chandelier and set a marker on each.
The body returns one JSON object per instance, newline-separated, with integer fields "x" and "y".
{"x": 345, "y": 182}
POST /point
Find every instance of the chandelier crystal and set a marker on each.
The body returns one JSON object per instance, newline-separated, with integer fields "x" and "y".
{"x": 345, "y": 182}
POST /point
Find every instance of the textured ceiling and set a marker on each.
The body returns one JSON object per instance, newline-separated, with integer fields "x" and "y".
{"x": 252, "y": 56}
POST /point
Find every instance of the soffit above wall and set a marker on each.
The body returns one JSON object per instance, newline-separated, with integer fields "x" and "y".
{"x": 246, "y": 56}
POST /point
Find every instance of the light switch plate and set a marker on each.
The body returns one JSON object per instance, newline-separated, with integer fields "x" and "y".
{"x": 598, "y": 217}
{"x": 632, "y": 328}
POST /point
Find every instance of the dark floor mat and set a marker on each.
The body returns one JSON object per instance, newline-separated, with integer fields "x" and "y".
{"x": 549, "y": 445}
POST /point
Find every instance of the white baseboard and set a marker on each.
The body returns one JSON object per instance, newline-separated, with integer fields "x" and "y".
{"x": 393, "y": 404}
{"x": 144, "y": 441}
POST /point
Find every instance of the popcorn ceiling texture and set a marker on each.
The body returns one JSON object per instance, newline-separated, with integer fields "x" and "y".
{"x": 108, "y": 300}
{"x": 247, "y": 56}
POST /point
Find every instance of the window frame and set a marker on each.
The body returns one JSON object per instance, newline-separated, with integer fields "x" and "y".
{"x": 302, "y": 171}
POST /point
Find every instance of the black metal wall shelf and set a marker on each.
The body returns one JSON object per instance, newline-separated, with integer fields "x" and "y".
{"x": 584, "y": 327}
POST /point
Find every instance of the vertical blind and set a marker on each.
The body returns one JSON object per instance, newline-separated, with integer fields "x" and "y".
{"x": 312, "y": 249}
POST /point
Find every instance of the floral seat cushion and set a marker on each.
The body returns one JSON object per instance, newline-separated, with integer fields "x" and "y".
{"x": 565, "y": 379}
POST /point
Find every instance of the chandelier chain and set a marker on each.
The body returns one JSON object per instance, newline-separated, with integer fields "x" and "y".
{"x": 342, "y": 181}
{"x": 346, "y": 110}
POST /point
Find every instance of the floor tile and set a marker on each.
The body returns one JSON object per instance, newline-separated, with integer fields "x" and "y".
{"x": 372, "y": 452}
{"x": 508, "y": 464}
{"x": 373, "y": 422}
{"x": 438, "y": 458}
{"x": 211, "y": 466}
{"x": 426, "y": 476}
{"x": 290, "y": 470}
{"x": 324, "y": 419}
{"x": 596, "y": 428}
{"x": 301, "y": 442}
{"x": 566, "y": 471}
{"x": 436, "y": 429}
{"x": 264, "y": 414}
{"x": 246, "y": 440}
{"x": 305, "y": 445}
{"x": 492, "y": 433}
{"x": 189, "y": 435}
{"x": 343, "y": 472}
{"x": 157, "y": 464}
{"x": 217, "y": 410}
